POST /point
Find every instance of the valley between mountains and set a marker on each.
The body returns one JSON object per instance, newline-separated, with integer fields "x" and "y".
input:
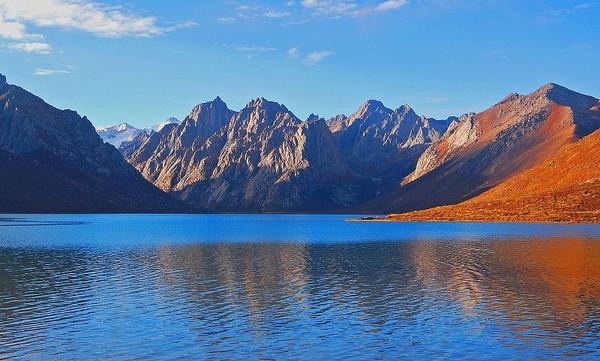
{"x": 527, "y": 158}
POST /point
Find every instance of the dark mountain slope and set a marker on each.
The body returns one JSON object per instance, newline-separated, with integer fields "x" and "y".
{"x": 53, "y": 161}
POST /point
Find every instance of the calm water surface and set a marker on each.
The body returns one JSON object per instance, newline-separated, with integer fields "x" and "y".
{"x": 304, "y": 287}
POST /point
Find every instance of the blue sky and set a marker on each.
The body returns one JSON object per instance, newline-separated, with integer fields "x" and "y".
{"x": 142, "y": 61}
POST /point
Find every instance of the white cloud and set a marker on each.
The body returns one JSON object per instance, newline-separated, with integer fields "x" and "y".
{"x": 247, "y": 7}
{"x": 48, "y": 72}
{"x": 349, "y": 8}
{"x": 317, "y": 56}
{"x": 254, "y": 49}
{"x": 560, "y": 15}
{"x": 293, "y": 53}
{"x": 276, "y": 14}
{"x": 84, "y": 15}
{"x": 582, "y": 46}
{"x": 226, "y": 19}
{"x": 332, "y": 8}
{"x": 390, "y": 5}
{"x": 32, "y": 47}
{"x": 12, "y": 30}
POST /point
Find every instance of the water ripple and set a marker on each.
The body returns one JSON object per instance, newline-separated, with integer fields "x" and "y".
{"x": 516, "y": 299}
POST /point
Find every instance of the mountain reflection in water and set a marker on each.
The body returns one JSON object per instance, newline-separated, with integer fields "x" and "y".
{"x": 501, "y": 299}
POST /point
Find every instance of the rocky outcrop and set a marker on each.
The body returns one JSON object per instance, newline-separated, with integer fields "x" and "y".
{"x": 53, "y": 161}
{"x": 180, "y": 155}
{"x": 460, "y": 134}
{"x": 262, "y": 158}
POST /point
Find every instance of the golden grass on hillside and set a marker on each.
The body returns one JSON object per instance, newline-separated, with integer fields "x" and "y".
{"x": 565, "y": 188}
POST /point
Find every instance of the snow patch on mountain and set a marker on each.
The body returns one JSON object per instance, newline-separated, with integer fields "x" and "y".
{"x": 124, "y": 132}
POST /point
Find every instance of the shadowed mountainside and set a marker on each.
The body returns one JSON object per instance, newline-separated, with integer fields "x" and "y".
{"x": 53, "y": 161}
{"x": 383, "y": 143}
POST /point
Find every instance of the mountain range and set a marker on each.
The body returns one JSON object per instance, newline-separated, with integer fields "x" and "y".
{"x": 263, "y": 158}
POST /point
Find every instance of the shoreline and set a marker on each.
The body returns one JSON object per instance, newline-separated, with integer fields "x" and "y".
{"x": 433, "y": 220}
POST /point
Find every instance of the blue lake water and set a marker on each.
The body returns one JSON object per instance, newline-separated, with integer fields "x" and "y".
{"x": 297, "y": 287}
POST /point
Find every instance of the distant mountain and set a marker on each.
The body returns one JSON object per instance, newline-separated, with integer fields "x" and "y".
{"x": 262, "y": 158}
{"x": 384, "y": 143}
{"x": 117, "y": 134}
{"x": 158, "y": 127}
{"x": 127, "y": 148}
{"x": 563, "y": 188}
{"x": 53, "y": 161}
{"x": 482, "y": 150}
{"x": 122, "y": 133}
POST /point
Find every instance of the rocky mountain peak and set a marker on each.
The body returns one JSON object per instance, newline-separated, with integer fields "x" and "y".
{"x": 550, "y": 87}
{"x": 337, "y": 123}
{"x": 2, "y": 80}
{"x": 405, "y": 110}
{"x": 509, "y": 98}
{"x": 262, "y": 103}
{"x": 170, "y": 121}
{"x": 123, "y": 127}
{"x": 564, "y": 96}
{"x": 312, "y": 118}
{"x": 216, "y": 104}
{"x": 371, "y": 105}
{"x": 214, "y": 114}
{"x": 370, "y": 111}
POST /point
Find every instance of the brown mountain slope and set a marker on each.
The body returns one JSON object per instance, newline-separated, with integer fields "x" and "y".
{"x": 481, "y": 150}
{"x": 563, "y": 188}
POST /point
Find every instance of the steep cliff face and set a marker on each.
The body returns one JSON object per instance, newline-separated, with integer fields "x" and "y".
{"x": 481, "y": 150}
{"x": 52, "y": 146}
{"x": 180, "y": 155}
{"x": 262, "y": 158}
{"x": 460, "y": 134}
{"x": 385, "y": 143}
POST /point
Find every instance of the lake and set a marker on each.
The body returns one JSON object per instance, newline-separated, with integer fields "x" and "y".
{"x": 295, "y": 287}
